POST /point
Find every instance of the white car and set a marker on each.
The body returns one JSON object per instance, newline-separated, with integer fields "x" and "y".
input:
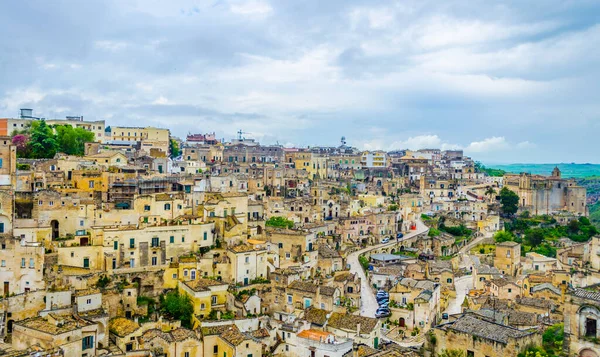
{"x": 385, "y": 240}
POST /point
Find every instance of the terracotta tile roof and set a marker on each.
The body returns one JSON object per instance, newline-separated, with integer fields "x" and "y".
{"x": 350, "y": 322}
{"x": 202, "y": 284}
{"x": 260, "y": 333}
{"x": 90, "y": 314}
{"x": 365, "y": 351}
{"x": 483, "y": 328}
{"x": 213, "y": 330}
{"x": 156, "y": 333}
{"x": 181, "y": 334}
{"x": 122, "y": 327}
{"x": 45, "y": 324}
{"x": 327, "y": 252}
{"x": 315, "y": 335}
{"x": 233, "y": 335}
{"x": 328, "y": 290}
{"x": 316, "y": 316}
{"x": 591, "y": 292}
{"x": 500, "y": 282}
{"x": 540, "y": 303}
{"x": 304, "y": 286}
{"x": 345, "y": 276}
{"x": 242, "y": 248}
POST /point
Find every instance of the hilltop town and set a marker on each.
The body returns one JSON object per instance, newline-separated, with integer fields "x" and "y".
{"x": 127, "y": 241}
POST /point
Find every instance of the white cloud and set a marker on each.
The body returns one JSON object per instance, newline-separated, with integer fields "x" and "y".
{"x": 525, "y": 145}
{"x": 489, "y": 144}
{"x": 161, "y": 100}
{"x": 112, "y": 46}
{"x": 251, "y": 8}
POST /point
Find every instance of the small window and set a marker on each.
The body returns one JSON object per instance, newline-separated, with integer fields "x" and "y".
{"x": 171, "y": 239}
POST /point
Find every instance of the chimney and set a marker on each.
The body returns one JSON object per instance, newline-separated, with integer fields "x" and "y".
{"x": 354, "y": 349}
{"x": 358, "y": 329}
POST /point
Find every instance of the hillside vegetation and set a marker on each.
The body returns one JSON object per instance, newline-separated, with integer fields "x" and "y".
{"x": 592, "y": 185}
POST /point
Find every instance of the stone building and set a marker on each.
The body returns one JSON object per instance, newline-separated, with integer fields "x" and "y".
{"x": 476, "y": 336}
{"x": 547, "y": 194}
{"x": 582, "y": 321}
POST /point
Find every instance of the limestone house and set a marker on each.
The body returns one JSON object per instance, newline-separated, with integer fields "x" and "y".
{"x": 176, "y": 342}
{"x": 478, "y": 337}
{"x": 361, "y": 329}
{"x": 416, "y": 303}
{"x": 227, "y": 340}
{"x": 582, "y": 321}
{"x": 248, "y": 263}
{"x": 206, "y": 295}
{"x": 504, "y": 289}
{"x": 329, "y": 260}
{"x": 301, "y": 295}
{"x": 75, "y": 335}
{"x": 21, "y": 265}
{"x": 349, "y": 285}
{"x": 483, "y": 273}
{"x": 508, "y": 258}
{"x": 321, "y": 343}
{"x": 535, "y": 262}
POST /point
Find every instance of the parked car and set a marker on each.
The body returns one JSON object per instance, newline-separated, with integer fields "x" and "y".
{"x": 385, "y": 240}
{"x": 382, "y": 293}
{"x": 382, "y": 312}
{"x": 445, "y": 316}
{"x": 384, "y": 304}
{"x": 382, "y": 297}
{"x": 424, "y": 257}
{"x": 399, "y": 235}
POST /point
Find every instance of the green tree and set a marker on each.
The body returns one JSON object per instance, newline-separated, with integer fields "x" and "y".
{"x": 490, "y": 192}
{"x": 509, "y": 201}
{"x": 178, "y": 306}
{"x": 71, "y": 140}
{"x": 534, "y": 237}
{"x": 174, "y": 149}
{"x": 42, "y": 141}
{"x": 279, "y": 222}
{"x": 503, "y": 236}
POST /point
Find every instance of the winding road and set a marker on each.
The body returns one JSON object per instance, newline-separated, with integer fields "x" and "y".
{"x": 368, "y": 301}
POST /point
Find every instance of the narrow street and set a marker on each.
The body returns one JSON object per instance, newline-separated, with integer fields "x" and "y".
{"x": 367, "y": 296}
{"x": 462, "y": 285}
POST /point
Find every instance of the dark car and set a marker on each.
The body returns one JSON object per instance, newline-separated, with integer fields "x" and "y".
{"x": 382, "y": 312}
{"x": 381, "y": 293}
{"x": 424, "y": 256}
{"x": 445, "y": 316}
{"x": 399, "y": 235}
{"x": 382, "y": 299}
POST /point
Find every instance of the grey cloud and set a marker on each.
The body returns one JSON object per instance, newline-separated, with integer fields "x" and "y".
{"x": 463, "y": 70}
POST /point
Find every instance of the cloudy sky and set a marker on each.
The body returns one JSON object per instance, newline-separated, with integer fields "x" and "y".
{"x": 511, "y": 82}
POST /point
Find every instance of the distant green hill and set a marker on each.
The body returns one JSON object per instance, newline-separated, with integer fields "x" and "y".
{"x": 592, "y": 185}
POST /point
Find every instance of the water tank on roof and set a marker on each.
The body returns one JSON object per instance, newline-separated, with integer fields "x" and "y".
{"x": 26, "y": 113}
